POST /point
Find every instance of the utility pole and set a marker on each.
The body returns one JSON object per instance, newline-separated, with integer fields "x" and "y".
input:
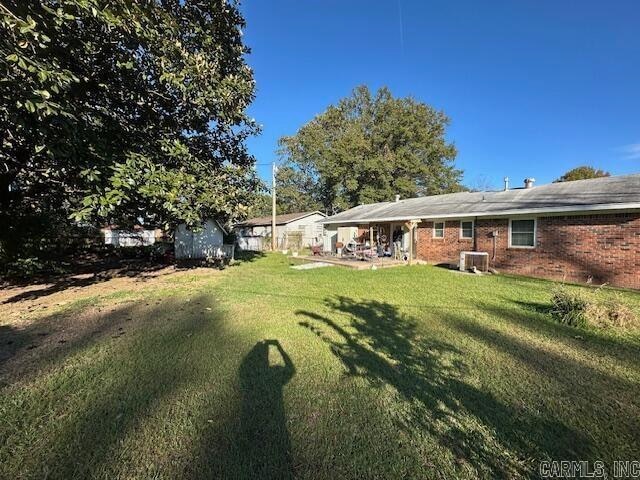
{"x": 274, "y": 169}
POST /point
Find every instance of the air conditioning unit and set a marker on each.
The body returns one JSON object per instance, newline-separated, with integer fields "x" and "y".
{"x": 469, "y": 260}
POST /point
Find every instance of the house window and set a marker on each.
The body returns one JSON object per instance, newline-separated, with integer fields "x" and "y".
{"x": 438, "y": 229}
{"x": 522, "y": 233}
{"x": 466, "y": 229}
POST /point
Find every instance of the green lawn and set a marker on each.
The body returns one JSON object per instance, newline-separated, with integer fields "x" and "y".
{"x": 262, "y": 371}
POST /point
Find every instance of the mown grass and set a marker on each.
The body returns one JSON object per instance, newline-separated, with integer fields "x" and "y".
{"x": 262, "y": 371}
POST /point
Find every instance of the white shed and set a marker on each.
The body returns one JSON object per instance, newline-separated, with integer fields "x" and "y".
{"x": 206, "y": 243}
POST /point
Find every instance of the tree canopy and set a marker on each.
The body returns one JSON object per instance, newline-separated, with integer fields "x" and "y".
{"x": 582, "y": 173}
{"x": 117, "y": 110}
{"x": 367, "y": 148}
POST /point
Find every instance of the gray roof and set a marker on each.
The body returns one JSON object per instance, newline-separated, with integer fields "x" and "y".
{"x": 607, "y": 193}
{"x": 280, "y": 219}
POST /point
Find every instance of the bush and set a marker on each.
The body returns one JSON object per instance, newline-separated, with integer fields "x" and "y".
{"x": 27, "y": 267}
{"x": 581, "y": 309}
{"x": 569, "y": 307}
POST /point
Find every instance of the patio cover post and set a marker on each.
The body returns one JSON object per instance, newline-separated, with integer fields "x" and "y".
{"x": 411, "y": 225}
{"x": 370, "y": 242}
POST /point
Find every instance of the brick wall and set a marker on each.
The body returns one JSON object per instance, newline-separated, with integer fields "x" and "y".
{"x": 363, "y": 233}
{"x": 605, "y": 248}
{"x": 442, "y": 250}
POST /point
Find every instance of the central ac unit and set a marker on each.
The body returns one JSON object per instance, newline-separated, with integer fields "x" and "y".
{"x": 471, "y": 260}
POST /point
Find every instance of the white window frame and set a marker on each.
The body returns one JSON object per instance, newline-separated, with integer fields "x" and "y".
{"x": 535, "y": 233}
{"x": 473, "y": 229}
{"x": 443, "y": 229}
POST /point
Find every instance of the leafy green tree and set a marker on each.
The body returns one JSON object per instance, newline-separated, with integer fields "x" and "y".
{"x": 368, "y": 148}
{"x": 117, "y": 110}
{"x": 582, "y": 173}
{"x": 293, "y": 191}
{"x": 260, "y": 205}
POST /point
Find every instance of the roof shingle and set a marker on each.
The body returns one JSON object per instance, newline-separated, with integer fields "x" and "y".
{"x": 605, "y": 193}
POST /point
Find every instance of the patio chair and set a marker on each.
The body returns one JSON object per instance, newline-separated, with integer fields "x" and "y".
{"x": 351, "y": 249}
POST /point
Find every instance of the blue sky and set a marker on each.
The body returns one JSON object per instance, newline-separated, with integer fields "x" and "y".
{"x": 532, "y": 88}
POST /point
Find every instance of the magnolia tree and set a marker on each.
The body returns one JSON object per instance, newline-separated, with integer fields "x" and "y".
{"x": 112, "y": 111}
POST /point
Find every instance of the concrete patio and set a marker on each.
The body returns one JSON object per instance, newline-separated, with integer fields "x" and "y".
{"x": 384, "y": 262}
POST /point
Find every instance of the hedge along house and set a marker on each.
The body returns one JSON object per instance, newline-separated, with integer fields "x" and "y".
{"x": 585, "y": 230}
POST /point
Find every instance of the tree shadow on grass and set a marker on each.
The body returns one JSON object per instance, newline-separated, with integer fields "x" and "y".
{"x": 569, "y": 375}
{"x": 91, "y": 275}
{"x": 536, "y": 317}
{"x": 496, "y": 440}
{"x": 246, "y": 256}
{"x": 107, "y": 400}
{"x": 29, "y": 350}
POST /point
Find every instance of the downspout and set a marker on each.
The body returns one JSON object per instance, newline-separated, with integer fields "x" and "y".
{"x": 494, "y": 234}
{"x": 475, "y": 238}
{"x": 413, "y": 244}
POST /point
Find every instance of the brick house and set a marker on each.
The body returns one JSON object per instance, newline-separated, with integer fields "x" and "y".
{"x": 586, "y": 230}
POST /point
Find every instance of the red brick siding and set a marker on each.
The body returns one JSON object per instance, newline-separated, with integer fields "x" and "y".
{"x": 603, "y": 247}
{"x": 442, "y": 250}
{"x": 363, "y": 233}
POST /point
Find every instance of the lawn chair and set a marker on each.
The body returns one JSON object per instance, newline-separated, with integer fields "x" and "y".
{"x": 350, "y": 249}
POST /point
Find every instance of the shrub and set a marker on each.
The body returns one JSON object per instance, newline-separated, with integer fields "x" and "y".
{"x": 26, "y": 267}
{"x": 570, "y": 307}
{"x": 580, "y": 309}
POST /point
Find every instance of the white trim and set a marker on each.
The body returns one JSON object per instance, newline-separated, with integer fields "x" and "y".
{"x": 605, "y": 207}
{"x": 535, "y": 233}
{"x": 304, "y": 216}
{"x": 434, "y": 229}
{"x": 473, "y": 229}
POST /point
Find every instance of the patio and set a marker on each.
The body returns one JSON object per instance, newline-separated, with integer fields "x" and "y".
{"x": 381, "y": 262}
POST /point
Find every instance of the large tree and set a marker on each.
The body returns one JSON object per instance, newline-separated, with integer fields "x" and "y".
{"x": 583, "y": 172}
{"x": 367, "y": 148}
{"x": 115, "y": 110}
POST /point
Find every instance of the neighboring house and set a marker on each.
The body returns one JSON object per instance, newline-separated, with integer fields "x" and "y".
{"x": 252, "y": 233}
{"x": 206, "y": 243}
{"x": 139, "y": 236}
{"x": 585, "y": 230}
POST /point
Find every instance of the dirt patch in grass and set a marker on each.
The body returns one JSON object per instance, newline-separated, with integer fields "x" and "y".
{"x": 40, "y": 323}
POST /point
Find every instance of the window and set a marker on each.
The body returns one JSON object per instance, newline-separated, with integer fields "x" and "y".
{"x": 438, "y": 229}
{"x": 466, "y": 229}
{"x": 522, "y": 233}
